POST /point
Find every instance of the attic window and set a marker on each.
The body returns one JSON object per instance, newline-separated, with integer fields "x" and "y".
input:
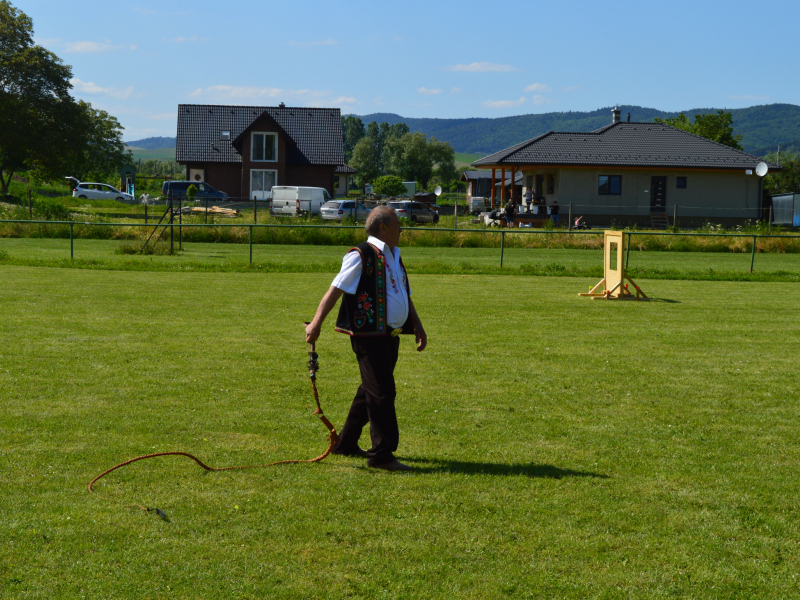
{"x": 225, "y": 135}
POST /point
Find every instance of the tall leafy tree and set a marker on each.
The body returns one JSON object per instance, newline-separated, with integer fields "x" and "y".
{"x": 787, "y": 180}
{"x": 352, "y": 132}
{"x": 365, "y": 160}
{"x": 717, "y": 127}
{"x": 42, "y": 128}
{"x": 413, "y": 157}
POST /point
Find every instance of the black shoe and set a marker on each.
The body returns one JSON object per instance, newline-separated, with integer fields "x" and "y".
{"x": 355, "y": 453}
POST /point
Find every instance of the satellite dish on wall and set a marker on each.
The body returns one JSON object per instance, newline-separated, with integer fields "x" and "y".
{"x": 761, "y": 169}
{"x": 438, "y": 189}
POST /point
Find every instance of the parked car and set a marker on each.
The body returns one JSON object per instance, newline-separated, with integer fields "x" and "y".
{"x": 99, "y": 191}
{"x": 295, "y": 200}
{"x": 204, "y": 191}
{"x": 336, "y": 210}
{"x": 416, "y": 212}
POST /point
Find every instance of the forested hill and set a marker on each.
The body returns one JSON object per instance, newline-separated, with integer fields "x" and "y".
{"x": 154, "y": 143}
{"x": 762, "y": 127}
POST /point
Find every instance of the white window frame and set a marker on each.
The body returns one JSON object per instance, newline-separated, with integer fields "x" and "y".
{"x": 275, "y": 171}
{"x": 275, "y": 146}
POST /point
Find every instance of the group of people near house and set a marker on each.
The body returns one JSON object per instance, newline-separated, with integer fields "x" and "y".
{"x": 512, "y": 209}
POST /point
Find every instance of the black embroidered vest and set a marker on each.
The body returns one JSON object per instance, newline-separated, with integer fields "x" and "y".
{"x": 364, "y": 313}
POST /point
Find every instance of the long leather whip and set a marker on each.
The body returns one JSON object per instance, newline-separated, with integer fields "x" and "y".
{"x": 333, "y": 437}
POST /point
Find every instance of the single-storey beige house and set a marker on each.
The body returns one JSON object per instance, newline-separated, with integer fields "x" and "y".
{"x": 628, "y": 171}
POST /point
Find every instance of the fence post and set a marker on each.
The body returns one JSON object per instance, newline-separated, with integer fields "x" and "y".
{"x": 30, "y": 204}
{"x": 255, "y": 214}
{"x": 171, "y": 226}
{"x": 455, "y": 212}
{"x": 753, "y": 254}
{"x": 502, "y": 246}
{"x": 675, "y": 218}
{"x": 180, "y": 222}
{"x": 569, "y": 225}
{"x": 206, "y": 211}
{"x": 628, "y": 250}
{"x": 145, "y": 213}
{"x": 770, "y": 219}
{"x": 251, "y": 244}
{"x": 71, "y": 245}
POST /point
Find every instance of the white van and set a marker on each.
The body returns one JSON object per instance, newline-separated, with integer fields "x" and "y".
{"x": 292, "y": 200}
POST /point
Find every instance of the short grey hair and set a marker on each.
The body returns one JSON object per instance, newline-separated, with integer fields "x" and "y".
{"x": 380, "y": 215}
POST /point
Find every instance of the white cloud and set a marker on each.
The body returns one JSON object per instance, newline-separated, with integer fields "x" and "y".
{"x": 232, "y": 93}
{"x": 429, "y": 92}
{"x": 748, "y": 97}
{"x": 481, "y": 67}
{"x": 502, "y": 103}
{"x": 91, "y": 47}
{"x": 180, "y": 39}
{"x": 328, "y": 42}
{"x": 538, "y": 87}
{"x": 455, "y": 90}
{"x": 90, "y": 88}
{"x": 571, "y": 88}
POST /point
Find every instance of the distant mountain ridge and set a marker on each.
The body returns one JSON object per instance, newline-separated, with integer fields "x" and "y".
{"x": 762, "y": 127}
{"x": 153, "y": 143}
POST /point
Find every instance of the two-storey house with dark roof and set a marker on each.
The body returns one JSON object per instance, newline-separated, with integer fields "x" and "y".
{"x": 245, "y": 150}
{"x": 628, "y": 171}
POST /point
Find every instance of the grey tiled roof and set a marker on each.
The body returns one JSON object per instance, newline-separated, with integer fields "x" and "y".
{"x": 625, "y": 145}
{"x": 317, "y": 132}
{"x": 345, "y": 169}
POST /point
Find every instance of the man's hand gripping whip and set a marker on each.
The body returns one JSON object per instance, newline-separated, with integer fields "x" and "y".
{"x": 333, "y": 437}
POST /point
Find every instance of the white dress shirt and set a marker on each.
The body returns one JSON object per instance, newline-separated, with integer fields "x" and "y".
{"x": 396, "y": 296}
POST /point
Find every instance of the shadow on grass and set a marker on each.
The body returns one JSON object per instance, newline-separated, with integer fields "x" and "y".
{"x": 665, "y": 300}
{"x": 476, "y": 468}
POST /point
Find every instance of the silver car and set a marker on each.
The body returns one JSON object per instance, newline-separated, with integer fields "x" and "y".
{"x": 99, "y": 191}
{"x": 416, "y": 212}
{"x": 336, "y": 210}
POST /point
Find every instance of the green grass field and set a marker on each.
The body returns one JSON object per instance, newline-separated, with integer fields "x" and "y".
{"x": 104, "y": 254}
{"x": 563, "y": 447}
{"x": 157, "y": 154}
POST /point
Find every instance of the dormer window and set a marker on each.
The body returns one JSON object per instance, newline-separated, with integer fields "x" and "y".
{"x": 225, "y": 135}
{"x": 264, "y": 147}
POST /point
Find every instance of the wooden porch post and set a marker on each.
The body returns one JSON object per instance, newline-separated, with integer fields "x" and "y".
{"x": 503, "y": 188}
{"x": 493, "y": 170}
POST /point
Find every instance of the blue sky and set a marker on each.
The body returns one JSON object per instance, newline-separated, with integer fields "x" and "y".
{"x": 139, "y": 59}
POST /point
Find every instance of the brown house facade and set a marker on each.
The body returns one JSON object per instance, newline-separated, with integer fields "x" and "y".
{"x": 244, "y": 150}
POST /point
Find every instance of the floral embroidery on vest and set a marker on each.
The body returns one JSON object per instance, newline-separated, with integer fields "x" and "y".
{"x": 380, "y": 276}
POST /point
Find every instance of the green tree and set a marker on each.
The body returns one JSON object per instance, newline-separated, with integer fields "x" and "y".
{"x": 413, "y": 157}
{"x": 42, "y": 128}
{"x": 717, "y": 127}
{"x": 352, "y": 132}
{"x": 787, "y": 180}
{"x": 390, "y": 185}
{"x": 365, "y": 160}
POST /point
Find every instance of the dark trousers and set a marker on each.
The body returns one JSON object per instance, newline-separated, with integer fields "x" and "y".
{"x": 374, "y": 400}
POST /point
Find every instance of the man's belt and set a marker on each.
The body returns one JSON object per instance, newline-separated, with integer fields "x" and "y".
{"x": 394, "y": 332}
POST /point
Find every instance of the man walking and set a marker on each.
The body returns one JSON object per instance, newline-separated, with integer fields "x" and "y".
{"x": 375, "y": 310}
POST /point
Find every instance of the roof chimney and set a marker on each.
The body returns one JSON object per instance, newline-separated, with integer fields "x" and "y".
{"x": 629, "y": 117}
{"x": 281, "y": 105}
{"x": 615, "y": 113}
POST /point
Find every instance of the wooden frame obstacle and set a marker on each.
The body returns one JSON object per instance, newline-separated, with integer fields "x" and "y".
{"x": 613, "y": 286}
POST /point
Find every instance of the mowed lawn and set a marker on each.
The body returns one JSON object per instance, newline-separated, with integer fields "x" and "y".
{"x": 104, "y": 254}
{"x": 563, "y": 447}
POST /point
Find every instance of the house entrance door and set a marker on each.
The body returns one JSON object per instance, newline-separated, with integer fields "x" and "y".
{"x": 261, "y": 182}
{"x": 658, "y": 194}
